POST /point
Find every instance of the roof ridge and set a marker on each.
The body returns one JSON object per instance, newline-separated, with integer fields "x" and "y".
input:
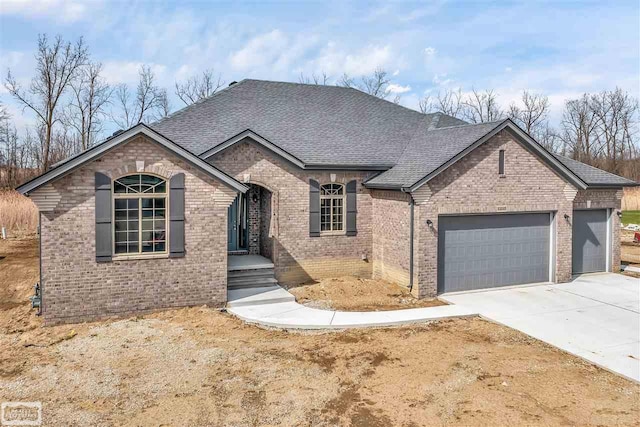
{"x": 469, "y": 124}
{"x": 334, "y": 86}
{"x": 198, "y": 102}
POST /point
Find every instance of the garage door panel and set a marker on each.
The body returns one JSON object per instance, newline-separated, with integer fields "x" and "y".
{"x": 589, "y": 241}
{"x": 484, "y": 251}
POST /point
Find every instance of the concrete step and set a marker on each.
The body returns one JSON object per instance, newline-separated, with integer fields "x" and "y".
{"x": 240, "y": 274}
{"x": 258, "y": 296}
{"x": 251, "y": 283}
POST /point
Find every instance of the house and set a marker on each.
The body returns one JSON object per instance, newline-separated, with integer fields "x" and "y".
{"x": 269, "y": 181}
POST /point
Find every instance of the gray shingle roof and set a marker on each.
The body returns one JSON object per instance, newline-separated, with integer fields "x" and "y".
{"x": 329, "y": 125}
{"x": 316, "y": 124}
{"x": 428, "y": 150}
{"x": 592, "y": 175}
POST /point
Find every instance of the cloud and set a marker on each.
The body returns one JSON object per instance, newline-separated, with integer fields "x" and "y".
{"x": 116, "y": 72}
{"x": 260, "y": 51}
{"x": 335, "y": 60}
{"x": 395, "y": 88}
{"x": 430, "y": 51}
{"x": 67, "y": 11}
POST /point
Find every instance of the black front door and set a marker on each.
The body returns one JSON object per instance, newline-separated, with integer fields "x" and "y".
{"x": 237, "y": 224}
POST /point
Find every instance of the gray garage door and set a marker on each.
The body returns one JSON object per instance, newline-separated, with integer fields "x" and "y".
{"x": 589, "y": 241}
{"x": 487, "y": 251}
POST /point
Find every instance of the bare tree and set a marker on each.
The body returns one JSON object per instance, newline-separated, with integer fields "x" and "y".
{"x": 57, "y": 65}
{"x": 321, "y": 79}
{"x": 615, "y": 112}
{"x": 533, "y": 113}
{"x": 449, "y": 102}
{"x": 149, "y": 101}
{"x": 87, "y": 109}
{"x": 375, "y": 84}
{"x": 481, "y": 107}
{"x": 425, "y": 104}
{"x": 578, "y": 128}
{"x": 196, "y": 88}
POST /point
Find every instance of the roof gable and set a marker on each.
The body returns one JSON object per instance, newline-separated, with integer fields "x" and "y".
{"x": 93, "y": 153}
{"x": 430, "y": 153}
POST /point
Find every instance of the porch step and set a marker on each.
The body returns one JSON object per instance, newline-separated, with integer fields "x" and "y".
{"x": 251, "y": 282}
{"x": 242, "y": 274}
{"x": 253, "y": 278}
{"x": 257, "y": 296}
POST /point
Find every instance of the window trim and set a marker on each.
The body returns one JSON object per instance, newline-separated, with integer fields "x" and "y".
{"x": 139, "y": 196}
{"x": 501, "y": 163}
{"x": 332, "y": 232}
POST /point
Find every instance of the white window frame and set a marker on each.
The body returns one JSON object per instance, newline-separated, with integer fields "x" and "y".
{"x": 342, "y": 197}
{"x": 139, "y": 196}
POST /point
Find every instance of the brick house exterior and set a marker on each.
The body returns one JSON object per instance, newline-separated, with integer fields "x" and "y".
{"x": 81, "y": 283}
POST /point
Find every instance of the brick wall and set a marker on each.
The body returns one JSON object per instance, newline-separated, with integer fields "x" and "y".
{"x": 299, "y": 258}
{"x": 76, "y": 288}
{"x": 391, "y": 231}
{"x": 472, "y": 185}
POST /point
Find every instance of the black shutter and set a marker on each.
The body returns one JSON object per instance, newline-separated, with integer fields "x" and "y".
{"x": 103, "y": 218}
{"x": 176, "y": 216}
{"x": 314, "y": 208}
{"x": 351, "y": 208}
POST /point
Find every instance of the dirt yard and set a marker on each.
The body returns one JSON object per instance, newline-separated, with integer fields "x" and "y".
{"x": 201, "y": 367}
{"x": 630, "y": 251}
{"x": 353, "y": 294}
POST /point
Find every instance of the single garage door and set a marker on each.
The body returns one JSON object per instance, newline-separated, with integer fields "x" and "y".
{"x": 589, "y": 241}
{"x": 487, "y": 251}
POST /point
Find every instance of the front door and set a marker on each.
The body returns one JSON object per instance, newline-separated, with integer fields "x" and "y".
{"x": 237, "y": 224}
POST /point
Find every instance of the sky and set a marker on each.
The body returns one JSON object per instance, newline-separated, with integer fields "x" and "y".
{"x": 560, "y": 49}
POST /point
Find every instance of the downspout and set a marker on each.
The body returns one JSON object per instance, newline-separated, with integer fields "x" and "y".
{"x": 40, "y": 259}
{"x": 411, "y": 232}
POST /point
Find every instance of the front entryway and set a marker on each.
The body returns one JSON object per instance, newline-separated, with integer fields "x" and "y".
{"x": 589, "y": 241}
{"x": 250, "y": 225}
{"x": 487, "y": 251}
{"x": 238, "y": 235}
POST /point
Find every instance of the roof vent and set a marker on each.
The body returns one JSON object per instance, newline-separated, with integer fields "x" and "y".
{"x": 118, "y": 132}
{"x": 232, "y": 83}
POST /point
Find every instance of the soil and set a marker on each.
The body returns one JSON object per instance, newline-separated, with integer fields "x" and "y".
{"x": 353, "y": 294}
{"x": 630, "y": 251}
{"x": 202, "y": 367}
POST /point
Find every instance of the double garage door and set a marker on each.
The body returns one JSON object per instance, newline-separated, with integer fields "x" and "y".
{"x": 488, "y": 251}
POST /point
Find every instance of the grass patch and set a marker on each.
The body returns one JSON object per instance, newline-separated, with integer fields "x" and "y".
{"x": 631, "y": 217}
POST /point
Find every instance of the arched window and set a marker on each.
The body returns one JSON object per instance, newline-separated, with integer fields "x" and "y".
{"x": 332, "y": 208}
{"x": 140, "y": 215}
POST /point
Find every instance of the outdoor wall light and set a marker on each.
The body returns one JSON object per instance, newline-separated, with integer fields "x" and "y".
{"x": 566, "y": 216}
{"x": 619, "y": 213}
{"x": 430, "y": 223}
{"x": 254, "y": 198}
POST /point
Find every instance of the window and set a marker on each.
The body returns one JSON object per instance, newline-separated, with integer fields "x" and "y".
{"x": 332, "y": 208}
{"x": 501, "y": 163}
{"x": 140, "y": 215}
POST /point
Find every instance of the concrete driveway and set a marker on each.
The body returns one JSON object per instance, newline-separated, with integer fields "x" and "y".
{"x": 596, "y": 317}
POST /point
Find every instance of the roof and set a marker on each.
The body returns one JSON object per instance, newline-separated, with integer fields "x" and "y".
{"x": 319, "y": 125}
{"x": 593, "y": 176}
{"x": 428, "y": 150}
{"x": 74, "y": 162}
{"x": 329, "y": 127}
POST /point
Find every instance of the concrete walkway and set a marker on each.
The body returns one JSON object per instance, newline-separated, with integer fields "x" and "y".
{"x": 596, "y": 317}
{"x": 275, "y": 307}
